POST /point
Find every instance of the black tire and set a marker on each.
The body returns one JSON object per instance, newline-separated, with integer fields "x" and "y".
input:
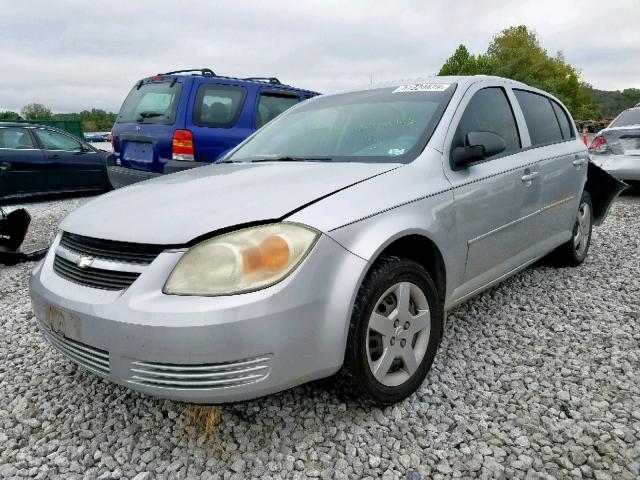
{"x": 567, "y": 255}
{"x": 356, "y": 379}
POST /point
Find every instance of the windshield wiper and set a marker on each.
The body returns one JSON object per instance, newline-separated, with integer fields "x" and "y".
{"x": 292, "y": 159}
{"x": 144, "y": 115}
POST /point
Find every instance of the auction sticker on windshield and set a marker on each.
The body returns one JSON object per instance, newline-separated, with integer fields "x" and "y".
{"x": 422, "y": 87}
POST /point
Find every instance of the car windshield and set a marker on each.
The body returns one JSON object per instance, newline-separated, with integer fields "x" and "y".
{"x": 382, "y": 125}
{"x": 626, "y": 118}
{"x": 154, "y": 102}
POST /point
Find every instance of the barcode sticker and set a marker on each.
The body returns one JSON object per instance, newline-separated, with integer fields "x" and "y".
{"x": 422, "y": 87}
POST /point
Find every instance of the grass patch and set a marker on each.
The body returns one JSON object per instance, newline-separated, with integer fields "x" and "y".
{"x": 203, "y": 420}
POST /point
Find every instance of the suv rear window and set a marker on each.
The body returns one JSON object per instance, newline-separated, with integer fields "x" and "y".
{"x": 155, "y": 102}
{"x": 628, "y": 117}
{"x": 218, "y": 106}
{"x": 542, "y": 123}
{"x": 273, "y": 104}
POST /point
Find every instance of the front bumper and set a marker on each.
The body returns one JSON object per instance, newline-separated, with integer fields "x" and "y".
{"x": 204, "y": 349}
{"x": 623, "y": 167}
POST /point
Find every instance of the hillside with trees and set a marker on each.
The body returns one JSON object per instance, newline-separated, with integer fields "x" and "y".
{"x": 516, "y": 53}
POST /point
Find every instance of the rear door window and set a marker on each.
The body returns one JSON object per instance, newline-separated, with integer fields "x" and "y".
{"x": 155, "y": 102}
{"x": 563, "y": 120}
{"x": 273, "y": 104}
{"x": 489, "y": 110}
{"x": 542, "y": 122}
{"x": 15, "y": 138}
{"x": 218, "y": 106}
{"x": 51, "y": 140}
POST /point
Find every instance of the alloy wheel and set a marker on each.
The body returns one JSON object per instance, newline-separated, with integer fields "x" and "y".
{"x": 398, "y": 334}
{"x": 582, "y": 229}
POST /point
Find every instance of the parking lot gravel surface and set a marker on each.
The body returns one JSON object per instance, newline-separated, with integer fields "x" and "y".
{"x": 536, "y": 378}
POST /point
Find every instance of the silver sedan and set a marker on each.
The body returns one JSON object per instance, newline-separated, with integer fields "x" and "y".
{"x": 616, "y": 149}
{"x": 331, "y": 242}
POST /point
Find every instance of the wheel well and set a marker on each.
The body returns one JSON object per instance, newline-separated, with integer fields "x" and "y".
{"x": 422, "y": 250}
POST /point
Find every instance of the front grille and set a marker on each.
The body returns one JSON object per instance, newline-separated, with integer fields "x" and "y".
{"x": 84, "y": 355}
{"x": 93, "y": 277}
{"x": 201, "y": 376}
{"x": 111, "y": 249}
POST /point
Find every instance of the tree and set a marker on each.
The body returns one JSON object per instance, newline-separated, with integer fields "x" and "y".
{"x": 8, "y": 116}
{"x": 516, "y": 53}
{"x": 36, "y": 111}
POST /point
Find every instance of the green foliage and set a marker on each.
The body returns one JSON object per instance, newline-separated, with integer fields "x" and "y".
{"x": 36, "y": 111}
{"x": 516, "y": 53}
{"x": 611, "y": 103}
{"x": 94, "y": 120}
{"x": 9, "y": 116}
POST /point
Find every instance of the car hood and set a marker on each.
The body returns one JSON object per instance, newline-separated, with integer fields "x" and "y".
{"x": 178, "y": 208}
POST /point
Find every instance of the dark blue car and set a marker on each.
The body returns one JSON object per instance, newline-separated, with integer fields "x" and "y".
{"x": 35, "y": 159}
{"x": 189, "y": 118}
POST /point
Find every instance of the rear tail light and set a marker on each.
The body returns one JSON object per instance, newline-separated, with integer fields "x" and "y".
{"x": 599, "y": 144}
{"x": 182, "y": 145}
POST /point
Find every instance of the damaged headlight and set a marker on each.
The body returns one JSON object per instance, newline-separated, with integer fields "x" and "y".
{"x": 241, "y": 261}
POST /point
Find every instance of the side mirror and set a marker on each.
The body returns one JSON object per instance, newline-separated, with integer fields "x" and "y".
{"x": 480, "y": 145}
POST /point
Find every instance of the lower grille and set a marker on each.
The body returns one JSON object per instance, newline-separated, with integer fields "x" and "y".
{"x": 93, "y": 277}
{"x": 201, "y": 376}
{"x": 84, "y": 355}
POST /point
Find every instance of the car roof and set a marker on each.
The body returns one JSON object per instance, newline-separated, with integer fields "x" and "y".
{"x": 209, "y": 75}
{"x": 462, "y": 80}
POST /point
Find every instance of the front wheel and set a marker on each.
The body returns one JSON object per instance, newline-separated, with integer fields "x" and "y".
{"x": 574, "y": 252}
{"x": 395, "y": 329}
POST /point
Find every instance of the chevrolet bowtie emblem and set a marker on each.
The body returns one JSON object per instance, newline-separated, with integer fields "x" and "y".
{"x": 84, "y": 262}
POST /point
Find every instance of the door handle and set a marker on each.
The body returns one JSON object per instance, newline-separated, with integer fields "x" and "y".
{"x": 528, "y": 177}
{"x": 4, "y": 166}
{"x": 55, "y": 156}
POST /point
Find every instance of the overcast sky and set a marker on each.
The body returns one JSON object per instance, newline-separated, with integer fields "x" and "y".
{"x": 75, "y": 55}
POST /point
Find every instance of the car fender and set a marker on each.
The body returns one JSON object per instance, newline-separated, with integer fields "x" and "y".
{"x": 431, "y": 217}
{"x": 604, "y": 188}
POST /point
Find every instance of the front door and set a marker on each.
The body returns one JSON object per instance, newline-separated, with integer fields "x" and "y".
{"x": 72, "y": 165}
{"x": 496, "y": 200}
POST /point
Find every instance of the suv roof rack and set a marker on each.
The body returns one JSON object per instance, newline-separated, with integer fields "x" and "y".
{"x": 271, "y": 80}
{"x": 205, "y": 72}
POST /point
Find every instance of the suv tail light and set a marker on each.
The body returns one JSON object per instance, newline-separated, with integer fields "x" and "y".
{"x": 182, "y": 148}
{"x": 599, "y": 144}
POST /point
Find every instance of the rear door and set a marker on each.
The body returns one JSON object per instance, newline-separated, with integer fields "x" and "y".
{"x": 143, "y": 132}
{"x": 218, "y": 117}
{"x": 22, "y": 165}
{"x": 563, "y": 164}
{"x": 71, "y": 164}
{"x": 495, "y": 200}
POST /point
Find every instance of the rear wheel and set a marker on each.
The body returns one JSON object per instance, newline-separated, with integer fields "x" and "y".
{"x": 574, "y": 252}
{"x": 394, "y": 333}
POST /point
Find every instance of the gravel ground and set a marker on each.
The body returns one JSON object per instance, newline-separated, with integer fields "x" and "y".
{"x": 536, "y": 378}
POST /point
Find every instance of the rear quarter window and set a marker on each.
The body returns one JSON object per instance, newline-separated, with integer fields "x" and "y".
{"x": 218, "y": 106}
{"x": 273, "y": 104}
{"x": 540, "y": 117}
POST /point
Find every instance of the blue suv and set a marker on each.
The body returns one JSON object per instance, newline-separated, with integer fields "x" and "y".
{"x": 188, "y": 118}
